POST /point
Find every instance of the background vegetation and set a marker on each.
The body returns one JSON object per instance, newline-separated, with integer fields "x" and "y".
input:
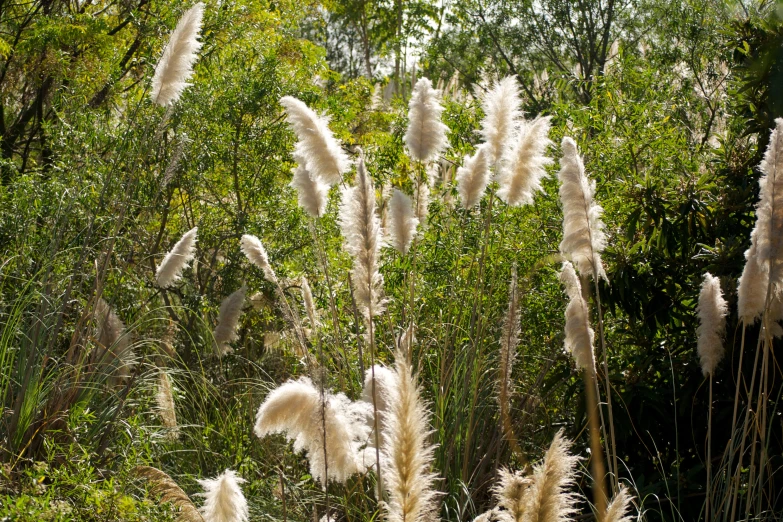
{"x": 671, "y": 104}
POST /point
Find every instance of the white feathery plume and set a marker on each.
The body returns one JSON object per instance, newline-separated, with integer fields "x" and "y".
{"x": 313, "y": 193}
{"x": 321, "y": 151}
{"x": 228, "y": 320}
{"x": 402, "y": 221}
{"x": 385, "y": 395}
{"x": 294, "y": 409}
{"x": 712, "y": 310}
{"x": 501, "y": 113}
{"x": 307, "y": 297}
{"x": 767, "y": 237}
{"x": 617, "y": 510}
{"x": 422, "y": 202}
{"x": 510, "y": 493}
{"x": 361, "y": 231}
{"x": 223, "y": 498}
{"x": 523, "y": 166}
{"x": 407, "y": 453}
{"x": 175, "y": 66}
{"x": 583, "y": 230}
{"x": 253, "y": 249}
{"x": 426, "y": 134}
{"x": 492, "y": 515}
{"x": 548, "y": 499}
{"x": 170, "y": 269}
{"x": 164, "y": 399}
{"x": 578, "y": 334}
{"x": 473, "y": 177}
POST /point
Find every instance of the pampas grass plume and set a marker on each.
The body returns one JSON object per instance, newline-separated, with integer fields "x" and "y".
{"x": 309, "y": 302}
{"x": 501, "y": 113}
{"x": 317, "y": 146}
{"x": 578, "y": 334}
{"x": 752, "y": 289}
{"x": 583, "y": 234}
{"x": 426, "y": 133}
{"x": 422, "y": 201}
{"x": 473, "y": 177}
{"x": 617, "y": 510}
{"x": 548, "y": 499}
{"x": 402, "y": 221}
{"x": 386, "y": 390}
{"x": 255, "y": 252}
{"x": 223, "y": 498}
{"x": 523, "y": 170}
{"x": 511, "y": 493}
{"x": 170, "y": 269}
{"x": 175, "y": 66}
{"x": 228, "y": 320}
{"x": 311, "y": 191}
{"x": 712, "y": 310}
{"x": 114, "y": 352}
{"x": 164, "y": 399}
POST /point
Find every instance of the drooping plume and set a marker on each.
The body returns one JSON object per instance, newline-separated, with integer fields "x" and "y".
{"x": 402, "y": 221}
{"x": 426, "y": 134}
{"x": 406, "y": 452}
{"x": 164, "y": 399}
{"x": 361, "y": 231}
{"x": 511, "y": 493}
{"x": 583, "y": 230}
{"x": 175, "y": 66}
{"x": 317, "y": 146}
{"x": 617, "y": 510}
{"x": 473, "y": 177}
{"x": 766, "y": 248}
{"x": 253, "y": 249}
{"x": 114, "y": 351}
{"x": 578, "y": 334}
{"x": 712, "y": 310}
{"x": 223, "y": 498}
{"x": 312, "y": 192}
{"x": 509, "y": 339}
{"x": 523, "y": 166}
{"x": 548, "y": 499}
{"x": 501, "y": 113}
{"x": 228, "y": 320}
{"x": 307, "y": 297}
{"x": 294, "y": 409}
{"x": 170, "y": 269}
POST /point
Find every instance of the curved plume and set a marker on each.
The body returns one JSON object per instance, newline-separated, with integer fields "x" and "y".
{"x": 170, "y": 269}
{"x": 752, "y": 289}
{"x": 175, "y": 66}
{"x": 426, "y": 134}
{"x": 294, "y": 409}
{"x": 523, "y": 166}
{"x": 361, "y": 231}
{"x": 617, "y": 510}
{"x": 407, "y": 452}
{"x": 321, "y": 151}
{"x": 501, "y": 113}
{"x": 307, "y": 297}
{"x": 167, "y": 411}
{"x": 473, "y": 177}
{"x": 402, "y": 221}
{"x": 578, "y": 334}
{"x": 712, "y": 310}
{"x": 583, "y": 231}
{"x": 228, "y": 320}
{"x": 312, "y": 192}
{"x": 255, "y": 252}
{"x": 223, "y": 498}
{"x": 548, "y": 499}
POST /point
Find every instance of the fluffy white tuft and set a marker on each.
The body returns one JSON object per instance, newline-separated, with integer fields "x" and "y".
{"x": 752, "y": 289}
{"x": 712, "y": 310}
{"x": 294, "y": 409}
{"x": 385, "y": 395}
{"x": 501, "y": 113}
{"x": 407, "y": 454}
{"x": 253, "y": 249}
{"x": 426, "y": 134}
{"x": 312, "y": 192}
{"x": 523, "y": 166}
{"x": 361, "y": 231}
{"x": 583, "y": 230}
{"x": 324, "y": 158}
{"x": 402, "y": 221}
{"x": 511, "y": 493}
{"x": 170, "y": 269}
{"x": 228, "y": 320}
{"x": 617, "y": 510}
{"x": 175, "y": 66}
{"x": 578, "y": 334}
{"x": 223, "y": 499}
{"x": 473, "y": 177}
{"x": 548, "y": 499}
